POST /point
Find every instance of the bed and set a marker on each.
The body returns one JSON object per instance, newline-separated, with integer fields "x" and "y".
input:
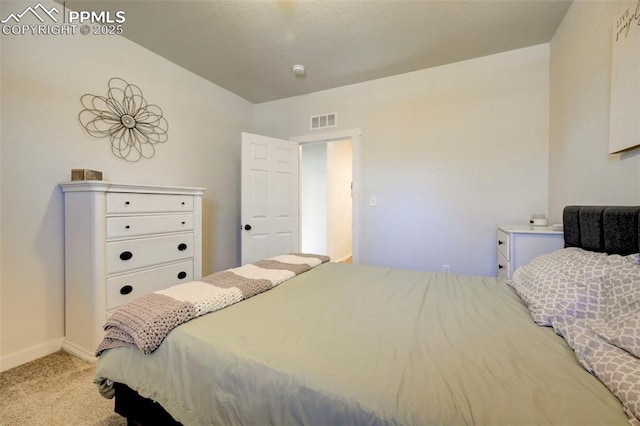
{"x": 355, "y": 344}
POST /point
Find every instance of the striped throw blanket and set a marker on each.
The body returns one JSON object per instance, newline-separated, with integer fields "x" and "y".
{"x": 144, "y": 322}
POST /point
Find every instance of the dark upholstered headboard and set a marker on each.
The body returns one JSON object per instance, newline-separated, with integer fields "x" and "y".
{"x": 608, "y": 229}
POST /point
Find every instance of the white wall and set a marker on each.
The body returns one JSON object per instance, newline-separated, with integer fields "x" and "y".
{"x": 313, "y": 198}
{"x": 43, "y": 78}
{"x": 580, "y": 169}
{"x": 450, "y": 153}
{"x": 339, "y": 203}
{"x": 325, "y": 197}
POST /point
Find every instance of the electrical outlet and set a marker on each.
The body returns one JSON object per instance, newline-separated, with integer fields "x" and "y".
{"x": 446, "y": 269}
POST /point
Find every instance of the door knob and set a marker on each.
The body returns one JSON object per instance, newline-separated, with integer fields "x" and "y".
{"x": 247, "y": 227}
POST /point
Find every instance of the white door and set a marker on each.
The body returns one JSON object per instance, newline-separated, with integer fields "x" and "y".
{"x": 269, "y": 197}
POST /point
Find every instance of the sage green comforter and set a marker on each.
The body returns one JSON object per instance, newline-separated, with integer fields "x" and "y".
{"x": 358, "y": 345}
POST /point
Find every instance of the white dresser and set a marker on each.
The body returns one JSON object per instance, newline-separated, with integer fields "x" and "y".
{"x": 518, "y": 245}
{"x": 122, "y": 241}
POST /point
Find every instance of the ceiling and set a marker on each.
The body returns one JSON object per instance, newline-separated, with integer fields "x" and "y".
{"x": 248, "y": 47}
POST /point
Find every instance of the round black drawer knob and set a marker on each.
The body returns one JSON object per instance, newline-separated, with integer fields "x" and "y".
{"x": 182, "y": 275}
{"x": 126, "y": 203}
{"x": 126, "y": 289}
{"x": 126, "y": 255}
{"x": 182, "y": 246}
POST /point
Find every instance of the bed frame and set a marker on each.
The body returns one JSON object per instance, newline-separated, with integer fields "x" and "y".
{"x": 607, "y": 229}
{"x": 140, "y": 411}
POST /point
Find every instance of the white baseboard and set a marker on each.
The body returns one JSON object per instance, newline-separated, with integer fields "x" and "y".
{"x": 77, "y": 351}
{"x": 30, "y": 354}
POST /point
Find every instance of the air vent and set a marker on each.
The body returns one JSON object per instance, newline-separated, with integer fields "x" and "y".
{"x": 324, "y": 120}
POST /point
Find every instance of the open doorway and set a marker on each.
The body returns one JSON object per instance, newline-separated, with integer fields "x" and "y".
{"x": 326, "y": 198}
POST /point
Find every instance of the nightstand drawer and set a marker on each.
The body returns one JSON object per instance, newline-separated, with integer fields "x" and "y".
{"x": 503, "y": 267}
{"x": 124, "y": 288}
{"x": 131, "y": 226}
{"x": 124, "y": 202}
{"x": 502, "y": 241}
{"x": 138, "y": 253}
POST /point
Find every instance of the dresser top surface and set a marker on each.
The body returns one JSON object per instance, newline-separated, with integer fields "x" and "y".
{"x": 106, "y": 186}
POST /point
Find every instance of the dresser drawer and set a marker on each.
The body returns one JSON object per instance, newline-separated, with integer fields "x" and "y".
{"x": 502, "y": 241}
{"x": 126, "y": 255}
{"x": 131, "y": 226}
{"x": 503, "y": 267}
{"x": 124, "y": 288}
{"x": 124, "y": 202}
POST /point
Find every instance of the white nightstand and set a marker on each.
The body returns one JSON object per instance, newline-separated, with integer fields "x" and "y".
{"x": 518, "y": 245}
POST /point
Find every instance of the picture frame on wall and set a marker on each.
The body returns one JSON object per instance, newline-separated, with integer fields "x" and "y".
{"x": 624, "y": 127}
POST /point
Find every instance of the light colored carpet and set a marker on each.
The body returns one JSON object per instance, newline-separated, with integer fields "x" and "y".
{"x": 55, "y": 390}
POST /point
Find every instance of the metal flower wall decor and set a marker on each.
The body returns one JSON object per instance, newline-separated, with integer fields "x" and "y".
{"x": 133, "y": 126}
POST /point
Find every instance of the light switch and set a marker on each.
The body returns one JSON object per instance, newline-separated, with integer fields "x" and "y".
{"x": 373, "y": 200}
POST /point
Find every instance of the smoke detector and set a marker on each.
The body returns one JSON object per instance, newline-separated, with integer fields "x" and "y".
{"x": 298, "y": 69}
